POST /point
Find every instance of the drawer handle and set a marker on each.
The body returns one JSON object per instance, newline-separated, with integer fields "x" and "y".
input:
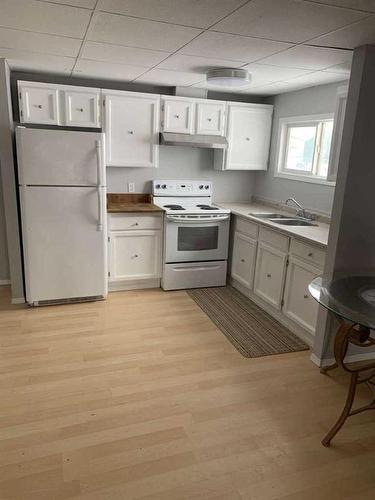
{"x": 248, "y": 138}
{"x": 310, "y": 254}
{"x": 131, "y": 132}
{"x": 177, "y": 116}
{"x": 268, "y": 275}
{"x": 135, "y": 255}
{"x": 209, "y": 119}
{"x": 38, "y": 106}
{"x": 305, "y": 296}
{"x": 135, "y": 224}
{"x": 242, "y": 260}
{"x": 80, "y": 109}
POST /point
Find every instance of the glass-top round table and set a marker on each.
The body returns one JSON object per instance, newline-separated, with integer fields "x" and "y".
{"x": 351, "y": 297}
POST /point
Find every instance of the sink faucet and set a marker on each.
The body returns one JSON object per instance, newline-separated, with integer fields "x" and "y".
{"x": 301, "y": 212}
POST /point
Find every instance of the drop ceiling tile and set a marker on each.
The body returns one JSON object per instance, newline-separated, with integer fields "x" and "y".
{"x": 353, "y": 36}
{"x": 307, "y": 57}
{"x": 265, "y": 73}
{"x": 200, "y": 14}
{"x": 39, "y": 42}
{"x": 32, "y": 61}
{"x": 233, "y": 47}
{"x": 339, "y": 68}
{"x": 172, "y": 78}
{"x": 366, "y": 5}
{"x": 122, "y": 30}
{"x": 121, "y": 54}
{"x": 85, "y": 4}
{"x": 317, "y": 78}
{"x": 286, "y": 20}
{"x": 195, "y": 64}
{"x": 43, "y": 17}
{"x": 107, "y": 71}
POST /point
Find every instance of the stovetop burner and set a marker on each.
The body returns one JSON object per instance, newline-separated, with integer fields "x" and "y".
{"x": 207, "y": 207}
{"x": 174, "y": 207}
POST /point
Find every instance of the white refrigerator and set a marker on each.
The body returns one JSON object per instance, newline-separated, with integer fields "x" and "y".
{"x": 62, "y": 188}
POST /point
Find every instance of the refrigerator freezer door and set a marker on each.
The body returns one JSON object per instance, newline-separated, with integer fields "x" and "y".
{"x": 65, "y": 251}
{"x": 60, "y": 157}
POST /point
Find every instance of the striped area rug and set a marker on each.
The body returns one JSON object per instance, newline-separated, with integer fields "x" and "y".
{"x": 252, "y": 331}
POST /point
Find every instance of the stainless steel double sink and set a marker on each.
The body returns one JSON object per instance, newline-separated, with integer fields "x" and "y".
{"x": 284, "y": 220}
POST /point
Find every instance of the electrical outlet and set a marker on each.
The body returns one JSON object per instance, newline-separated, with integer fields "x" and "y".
{"x": 131, "y": 187}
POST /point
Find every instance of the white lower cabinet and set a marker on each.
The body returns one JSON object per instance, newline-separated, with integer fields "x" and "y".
{"x": 275, "y": 270}
{"x": 270, "y": 274}
{"x": 134, "y": 254}
{"x": 243, "y": 259}
{"x": 298, "y": 303}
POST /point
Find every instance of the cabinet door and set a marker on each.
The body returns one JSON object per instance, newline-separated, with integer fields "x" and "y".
{"x": 39, "y": 104}
{"x": 82, "y": 107}
{"x": 249, "y": 133}
{"x": 270, "y": 274}
{"x": 210, "y": 118}
{"x": 178, "y": 116}
{"x": 298, "y": 303}
{"x": 243, "y": 259}
{"x": 135, "y": 255}
{"x": 131, "y": 128}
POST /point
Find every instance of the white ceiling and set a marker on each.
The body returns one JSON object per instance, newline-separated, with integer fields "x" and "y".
{"x": 285, "y": 44}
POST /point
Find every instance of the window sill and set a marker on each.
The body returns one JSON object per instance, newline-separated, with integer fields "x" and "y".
{"x": 305, "y": 178}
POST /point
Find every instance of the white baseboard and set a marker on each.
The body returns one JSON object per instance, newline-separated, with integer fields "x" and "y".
{"x": 322, "y": 363}
{"x": 118, "y": 286}
{"x": 4, "y": 282}
{"x": 18, "y": 300}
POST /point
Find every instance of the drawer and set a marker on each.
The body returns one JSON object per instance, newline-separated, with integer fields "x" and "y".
{"x": 122, "y": 222}
{"x": 274, "y": 239}
{"x": 310, "y": 253}
{"x": 246, "y": 227}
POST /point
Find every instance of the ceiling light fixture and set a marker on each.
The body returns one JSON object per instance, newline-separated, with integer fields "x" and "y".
{"x": 228, "y": 77}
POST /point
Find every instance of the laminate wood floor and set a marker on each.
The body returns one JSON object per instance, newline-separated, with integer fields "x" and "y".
{"x": 142, "y": 397}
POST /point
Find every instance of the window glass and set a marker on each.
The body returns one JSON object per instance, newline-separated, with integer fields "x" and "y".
{"x": 300, "y": 148}
{"x": 325, "y": 148}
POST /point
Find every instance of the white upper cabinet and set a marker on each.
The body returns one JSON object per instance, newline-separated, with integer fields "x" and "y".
{"x": 38, "y": 103}
{"x": 178, "y": 115}
{"x": 131, "y": 128}
{"x": 64, "y": 105}
{"x": 210, "y": 118}
{"x": 82, "y": 107}
{"x": 248, "y": 131}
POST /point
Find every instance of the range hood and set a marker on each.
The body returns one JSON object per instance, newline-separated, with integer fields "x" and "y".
{"x": 193, "y": 140}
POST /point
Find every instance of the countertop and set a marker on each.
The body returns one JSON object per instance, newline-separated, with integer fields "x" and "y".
{"x": 131, "y": 202}
{"x": 313, "y": 234}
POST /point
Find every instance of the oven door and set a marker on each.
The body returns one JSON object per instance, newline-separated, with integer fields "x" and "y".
{"x": 196, "y": 238}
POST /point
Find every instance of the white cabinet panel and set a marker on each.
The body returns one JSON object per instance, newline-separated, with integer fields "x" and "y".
{"x": 298, "y": 303}
{"x": 210, "y": 118}
{"x": 248, "y": 133}
{"x": 178, "y": 115}
{"x": 269, "y": 274}
{"x": 39, "y": 103}
{"x": 134, "y": 255}
{"x": 243, "y": 259}
{"x": 131, "y": 127}
{"x": 82, "y": 107}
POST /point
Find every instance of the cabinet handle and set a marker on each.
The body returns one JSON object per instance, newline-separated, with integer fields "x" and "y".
{"x": 177, "y": 116}
{"x": 242, "y": 260}
{"x": 248, "y": 138}
{"x": 131, "y": 132}
{"x": 268, "y": 275}
{"x": 305, "y": 296}
{"x": 310, "y": 254}
{"x": 135, "y": 255}
{"x": 80, "y": 109}
{"x": 38, "y": 106}
{"x": 135, "y": 224}
{"x": 209, "y": 119}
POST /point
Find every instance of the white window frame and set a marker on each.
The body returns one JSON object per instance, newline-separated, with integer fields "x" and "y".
{"x": 284, "y": 126}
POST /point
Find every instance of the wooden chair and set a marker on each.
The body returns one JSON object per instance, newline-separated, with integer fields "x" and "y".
{"x": 361, "y": 372}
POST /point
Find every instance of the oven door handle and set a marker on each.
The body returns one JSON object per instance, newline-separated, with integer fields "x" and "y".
{"x": 197, "y": 220}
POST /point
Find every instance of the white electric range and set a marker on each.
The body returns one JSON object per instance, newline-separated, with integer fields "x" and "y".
{"x": 196, "y": 235}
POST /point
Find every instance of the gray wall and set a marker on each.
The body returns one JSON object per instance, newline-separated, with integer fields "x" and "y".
{"x": 184, "y": 163}
{"x": 4, "y": 265}
{"x": 314, "y": 100}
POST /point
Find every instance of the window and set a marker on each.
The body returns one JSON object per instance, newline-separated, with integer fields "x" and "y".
{"x": 304, "y": 148}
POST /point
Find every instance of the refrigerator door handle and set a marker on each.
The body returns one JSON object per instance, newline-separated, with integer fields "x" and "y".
{"x": 99, "y": 226}
{"x": 99, "y": 163}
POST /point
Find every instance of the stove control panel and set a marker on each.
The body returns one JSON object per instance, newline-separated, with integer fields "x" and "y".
{"x": 181, "y": 188}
